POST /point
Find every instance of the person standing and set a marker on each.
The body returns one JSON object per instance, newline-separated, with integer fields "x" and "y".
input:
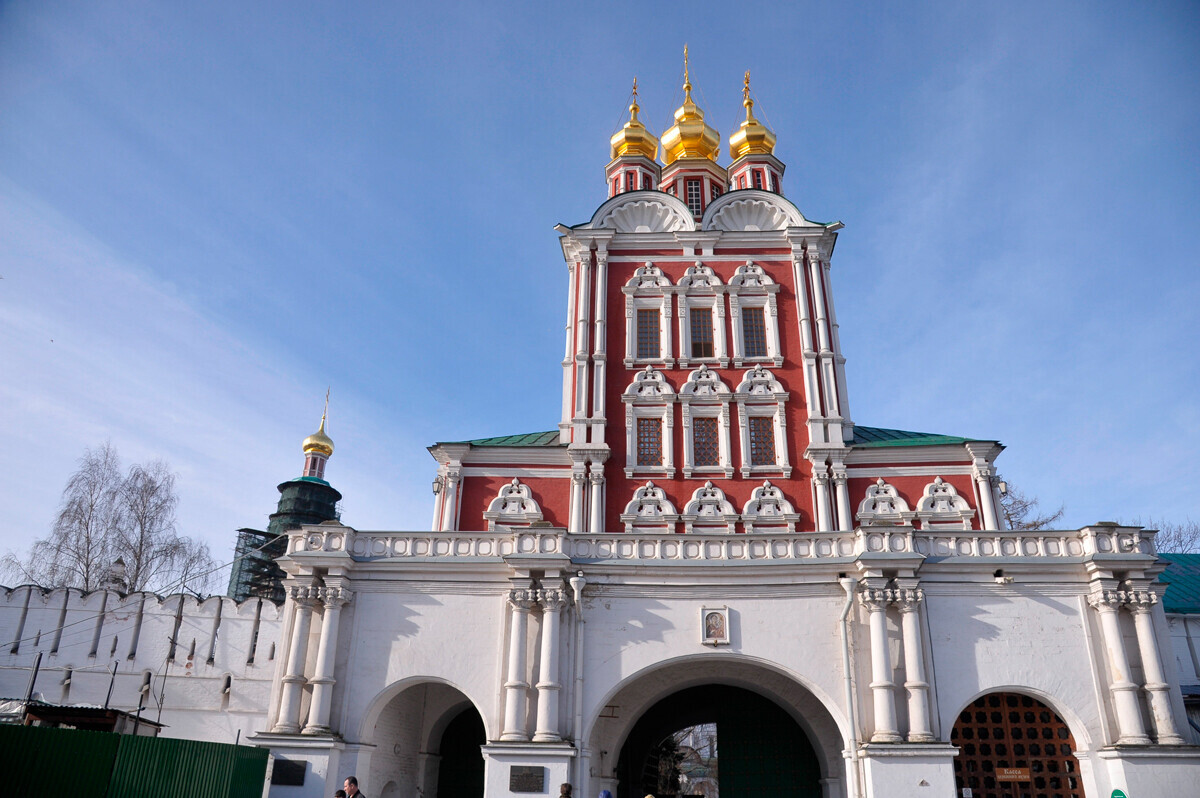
{"x": 351, "y": 786}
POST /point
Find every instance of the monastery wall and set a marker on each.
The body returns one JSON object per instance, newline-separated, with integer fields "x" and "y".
{"x": 210, "y": 662}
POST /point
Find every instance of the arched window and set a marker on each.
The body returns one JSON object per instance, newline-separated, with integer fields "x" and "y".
{"x": 649, "y": 425}
{"x": 648, "y": 317}
{"x": 761, "y": 400}
{"x": 755, "y": 316}
{"x": 704, "y": 401}
{"x": 702, "y": 317}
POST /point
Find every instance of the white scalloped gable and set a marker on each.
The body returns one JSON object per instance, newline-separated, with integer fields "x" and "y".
{"x": 643, "y": 212}
{"x": 751, "y": 210}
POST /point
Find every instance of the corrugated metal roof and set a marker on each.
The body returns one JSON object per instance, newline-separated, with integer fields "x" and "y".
{"x": 872, "y": 437}
{"x": 528, "y": 439}
{"x": 1183, "y": 579}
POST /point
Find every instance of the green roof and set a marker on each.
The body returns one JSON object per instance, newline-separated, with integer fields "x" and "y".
{"x": 875, "y": 437}
{"x": 1183, "y": 579}
{"x": 528, "y": 439}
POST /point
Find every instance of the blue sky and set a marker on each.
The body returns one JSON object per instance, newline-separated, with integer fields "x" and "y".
{"x": 209, "y": 215}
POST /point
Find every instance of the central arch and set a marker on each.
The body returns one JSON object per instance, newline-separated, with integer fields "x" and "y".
{"x": 755, "y": 715}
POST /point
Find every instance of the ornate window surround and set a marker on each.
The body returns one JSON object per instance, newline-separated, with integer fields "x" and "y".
{"x": 883, "y": 506}
{"x": 650, "y": 511}
{"x": 759, "y": 394}
{"x": 706, "y": 395}
{"x": 649, "y": 396}
{"x": 514, "y": 504}
{"x": 648, "y": 289}
{"x": 940, "y": 507}
{"x": 769, "y": 508}
{"x": 709, "y": 509}
{"x": 752, "y": 287}
{"x": 700, "y": 287}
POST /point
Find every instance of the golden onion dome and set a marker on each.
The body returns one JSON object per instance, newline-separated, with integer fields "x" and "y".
{"x": 752, "y": 138}
{"x": 319, "y": 441}
{"x": 690, "y": 136}
{"x": 634, "y": 138}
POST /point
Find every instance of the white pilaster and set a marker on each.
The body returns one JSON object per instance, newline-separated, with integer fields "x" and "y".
{"x": 1141, "y": 604}
{"x": 549, "y": 686}
{"x": 841, "y": 491}
{"x": 304, "y": 597}
{"x": 876, "y": 600}
{"x": 578, "y": 480}
{"x": 1130, "y": 729}
{"x": 334, "y": 596}
{"x": 909, "y": 601}
{"x": 820, "y": 480}
{"x": 596, "y": 478}
{"x": 516, "y": 687}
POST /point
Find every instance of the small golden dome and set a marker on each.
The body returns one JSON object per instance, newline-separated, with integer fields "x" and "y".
{"x": 752, "y": 138}
{"x": 319, "y": 441}
{"x": 690, "y": 136}
{"x": 634, "y": 138}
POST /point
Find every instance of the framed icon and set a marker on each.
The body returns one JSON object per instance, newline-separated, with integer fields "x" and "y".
{"x": 714, "y": 626}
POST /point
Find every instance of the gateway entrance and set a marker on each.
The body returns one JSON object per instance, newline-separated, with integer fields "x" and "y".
{"x": 717, "y": 741}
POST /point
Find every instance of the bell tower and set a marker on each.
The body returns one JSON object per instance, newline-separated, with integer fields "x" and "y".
{"x": 690, "y": 149}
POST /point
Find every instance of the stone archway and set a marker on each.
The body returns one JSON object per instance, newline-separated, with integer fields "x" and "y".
{"x": 1012, "y": 745}
{"x": 728, "y": 690}
{"x": 422, "y": 733}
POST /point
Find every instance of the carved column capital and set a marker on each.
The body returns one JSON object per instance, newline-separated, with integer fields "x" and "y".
{"x": 335, "y": 597}
{"x": 909, "y": 598}
{"x": 553, "y": 600}
{"x": 1107, "y": 600}
{"x": 1140, "y": 601}
{"x": 522, "y": 598}
{"x": 876, "y": 598}
{"x": 305, "y": 595}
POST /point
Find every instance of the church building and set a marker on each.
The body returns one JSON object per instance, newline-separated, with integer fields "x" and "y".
{"x": 705, "y": 577}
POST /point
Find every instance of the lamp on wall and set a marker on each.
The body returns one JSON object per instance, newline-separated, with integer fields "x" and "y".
{"x": 437, "y": 485}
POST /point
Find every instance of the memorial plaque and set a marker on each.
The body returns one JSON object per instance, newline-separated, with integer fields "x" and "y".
{"x": 522, "y": 778}
{"x": 1012, "y": 774}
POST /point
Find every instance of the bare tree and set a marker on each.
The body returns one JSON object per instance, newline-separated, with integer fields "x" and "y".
{"x": 106, "y": 516}
{"x": 1021, "y": 512}
{"x": 1176, "y": 538}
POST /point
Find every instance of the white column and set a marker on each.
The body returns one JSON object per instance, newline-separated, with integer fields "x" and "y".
{"x": 909, "y": 601}
{"x": 318, "y": 718}
{"x": 876, "y": 601}
{"x": 575, "y": 519}
{"x": 450, "y": 502}
{"x": 1124, "y": 692}
{"x": 303, "y": 597}
{"x": 548, "y": 685}
{"x": 983, "y": 477}
{"x": 599, "y": 354}
{"x": 516, "y": 688}
{"x": 596, "y": 476}
{"x": 1141, "y": 604}
{"x": 842, "y": 496}
{"x": 821, "y": 486}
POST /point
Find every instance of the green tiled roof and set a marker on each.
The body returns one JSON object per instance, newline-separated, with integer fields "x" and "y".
{"x": 1183, "y": 577}
{"x": 873, "y": 437}
{"x": 528, "y": 439}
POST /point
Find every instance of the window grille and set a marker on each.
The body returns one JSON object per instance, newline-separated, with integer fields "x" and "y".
{"x": 758, "y": 178}
{"x": 704, "y": 442}
{"x": 648, "y": 340}
{"x": 700, "y": 320}
{"x": 762, "y": 441}
{"x": 630, "y": 181}
{"x": 693, "y": 196}
{"x": 716, "y": 191}
{"x": 649, "y": 442}
{"x": 754, "y": 332}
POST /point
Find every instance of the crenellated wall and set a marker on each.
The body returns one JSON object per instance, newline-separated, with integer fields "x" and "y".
{"x": 191, "y": 650}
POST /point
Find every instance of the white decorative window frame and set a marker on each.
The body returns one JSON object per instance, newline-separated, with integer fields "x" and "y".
{"x": 695, "y": 512}
{"x": 694, "y": 405}
{"x": 755, "y": 402}
{"x": 883, "y": 506}
{"x": 700, "y": 287}
{"x": 752, "y": 287}
{"x": 649, "y": 396}
{"x": 650, "y": 511}
{"x": 714, "y": 635}
{"x": 514, "y": 504}
{"x": 648, "y": 289}
{"x": 957, "y": 517}
{"x": 783, "y": 513}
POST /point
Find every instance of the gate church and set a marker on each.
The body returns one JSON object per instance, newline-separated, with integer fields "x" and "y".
{"x": 707, "y": 578}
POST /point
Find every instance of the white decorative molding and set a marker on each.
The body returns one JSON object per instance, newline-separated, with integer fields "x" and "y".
{"x": 649, "y": 396}
{"x": 699, "y": 277}
{"x": 760, "y": 383}
{"x": 649, "y": 385}
{"x": 940, "y": 506}
{"x": 752, "y": 287}
{"x": 759, "y": 394}
{"x": 513, "y": 505}
{"x": 647, "y": 277}
{"x": 705, "y": 395}
{"x": 883, "y": 506}
{"x": 650, "y": 510}
{"x": 750, "y": 276}
{"x": 751, "y": 214}
{"x": 701, "y": 288}
{"x": 769, "y": 509}
{"x": 702, "y": 385}
{"x": 648, "y": 289}
{"x": 709, "y": 511}
{"x": 643, "y": 215}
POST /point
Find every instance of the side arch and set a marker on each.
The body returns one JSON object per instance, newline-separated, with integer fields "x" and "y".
{"x": 376, "y": 706}
{"x": 1072, "y": 718}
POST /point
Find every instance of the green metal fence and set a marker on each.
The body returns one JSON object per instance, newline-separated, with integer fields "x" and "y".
{"x": 89, "y": 764}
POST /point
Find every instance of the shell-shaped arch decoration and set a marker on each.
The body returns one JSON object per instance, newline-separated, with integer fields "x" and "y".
{"x": 753, "y": 211}
{"x": 645, "y": 216}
